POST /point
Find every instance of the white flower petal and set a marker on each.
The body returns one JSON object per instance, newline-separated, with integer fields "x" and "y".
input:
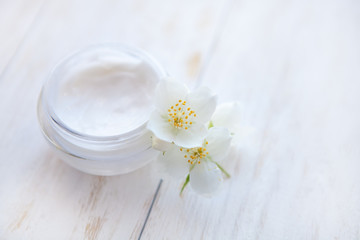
{"x": 159, "y": 144}
{"x": 192, "y": 137}
{"x": 219, "y": 141}
{"x": 174, "y": 162}
{"x": 203, "y": 102}
{"x": 206, "y": 178}
{"x": 168, "y": 92}
{"x": 228, "y": 115}
{"x": 160, "y": 127}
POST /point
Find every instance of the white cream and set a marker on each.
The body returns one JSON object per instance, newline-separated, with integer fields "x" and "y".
{"x": 105, "y": 93}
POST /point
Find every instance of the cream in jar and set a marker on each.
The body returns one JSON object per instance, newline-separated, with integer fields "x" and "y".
{"x": 107, "y": 94}
{"x": 94, "y": 107}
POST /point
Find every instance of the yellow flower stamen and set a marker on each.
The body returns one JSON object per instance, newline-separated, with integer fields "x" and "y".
{"x": 183, "y": 115}
{"x": 195, "y": 154}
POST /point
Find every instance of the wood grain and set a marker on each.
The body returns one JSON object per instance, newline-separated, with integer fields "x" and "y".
{"x": 16, "y": 17}
{"x": 41, "y": 197}
{"x": 295, "y": 67}
{"x": 293, "y": 64}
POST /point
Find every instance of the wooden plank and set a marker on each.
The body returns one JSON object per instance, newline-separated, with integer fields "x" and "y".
{"x": 15, "y": 19}
{"x": 295, "y": 66}
{"x": 41, "y": 197}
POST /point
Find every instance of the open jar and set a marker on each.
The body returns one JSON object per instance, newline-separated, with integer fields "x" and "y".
{"x": 94, "y": 107}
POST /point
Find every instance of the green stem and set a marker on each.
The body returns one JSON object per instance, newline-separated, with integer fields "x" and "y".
{"x": 211, "y": 124}
{"x": 187, "y": 180}
{"x": 222, "y": 169}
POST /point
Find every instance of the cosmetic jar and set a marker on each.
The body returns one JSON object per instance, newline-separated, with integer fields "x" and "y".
{"x": 94, "y": 106}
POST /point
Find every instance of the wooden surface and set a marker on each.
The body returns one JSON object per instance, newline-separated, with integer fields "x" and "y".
{"x": 295, "y": 65}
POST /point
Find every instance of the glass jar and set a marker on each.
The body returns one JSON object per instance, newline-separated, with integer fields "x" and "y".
{"x": 97, "y": 141}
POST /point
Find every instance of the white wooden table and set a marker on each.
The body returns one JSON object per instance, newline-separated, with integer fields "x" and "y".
{"x": 295, "y": 65}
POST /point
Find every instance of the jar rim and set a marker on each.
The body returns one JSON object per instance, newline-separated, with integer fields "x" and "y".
{"x": 127, "y": 49}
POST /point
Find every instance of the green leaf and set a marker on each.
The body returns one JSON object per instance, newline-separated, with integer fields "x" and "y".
{"x": 187, "y": 180}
